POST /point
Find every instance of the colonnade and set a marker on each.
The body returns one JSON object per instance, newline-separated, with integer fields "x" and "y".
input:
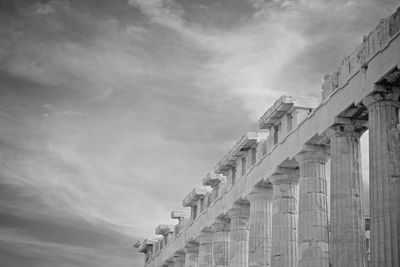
{"x": 270, "y": 206}
{"x": 285, "y": 222}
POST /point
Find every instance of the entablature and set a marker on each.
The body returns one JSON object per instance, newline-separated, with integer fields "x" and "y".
{"x": 276, "y": 112}
{"x": 247, "y": 141}
{"x": 285, "y": 105}
{"x": 194, "y": 195}
{"x": 359, "y": 59}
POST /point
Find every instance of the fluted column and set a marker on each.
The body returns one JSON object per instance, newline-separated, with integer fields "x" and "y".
{"x": 239, "y": 237}
{"x": 220, "y": 245}
{"x": 384, "y": 165}
{"x": 347, "y": 237}
{"x": 260, "y": 240}
{"x": 313, "y": 209}
{"x": 284, "y": 219}
{"x": 205, "y": 249}
{"x": 191, "y": 255}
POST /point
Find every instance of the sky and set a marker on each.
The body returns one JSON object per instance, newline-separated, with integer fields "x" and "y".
{"x": 112, "y": 111}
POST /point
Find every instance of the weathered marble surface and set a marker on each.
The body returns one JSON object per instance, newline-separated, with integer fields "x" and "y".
{"x": 239, "y": 236}
{"x": 313, "y": 208}
{"x": 384, "y": 138}
{"x": 347, "y": 238}
{"x": 284, "y": 219}
{"x": 260, "y": 239}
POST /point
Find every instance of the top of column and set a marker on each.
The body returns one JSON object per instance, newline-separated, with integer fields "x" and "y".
{"x": 313, "y": 153}
{"x": 386, "y": 93}
{"x": 345, "y": 129}
{"x": 285, "y": 176}
{"x": 239, "y": 211}
{"x": 205, "y": 236}
{"x": 259, "y": 192}
{"x": 220, "y": 225}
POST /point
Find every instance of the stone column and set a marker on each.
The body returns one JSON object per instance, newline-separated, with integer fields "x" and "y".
{"x": 384, "y": 171}
{"x": 205, "y": 249}
{"x": 347, "y": 237}
{"x": 220, "y": 245}
{"x": 284, "y": 219}
{"x": 260, "y": 240}
{"x": 191, "y": 255}
{"x": 239, "y": 236}
{"x": 313, "y": 209}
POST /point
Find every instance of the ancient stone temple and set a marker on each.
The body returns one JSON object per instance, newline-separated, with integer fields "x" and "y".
{"x": 266, "y": 203}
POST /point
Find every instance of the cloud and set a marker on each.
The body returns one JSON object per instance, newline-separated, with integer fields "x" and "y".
{"x": 165, "y": 12}
{"x": 111, "y": 113}
{"x": 19, "y": 249}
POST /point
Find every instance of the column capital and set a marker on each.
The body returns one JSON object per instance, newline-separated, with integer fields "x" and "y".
{"x": 191, "y": 248}
{"x": 285, "y": 176}
{"x": 178, "y": 258}
{"x": 345, "y": 130}
{"x": 260, "y": 193}
{"x": 239, "y": 211}
{"x": 205, "y": 236}
{"x": 220, "y": 225}
{"x": 318, "y": 154}
{"x": 383, "y": 93}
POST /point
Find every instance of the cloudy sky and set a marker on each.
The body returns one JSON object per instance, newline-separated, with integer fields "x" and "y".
{"x": 111, "y": 111}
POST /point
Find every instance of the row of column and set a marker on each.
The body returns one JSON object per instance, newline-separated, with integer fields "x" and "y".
{"x": 277, "y": 231}
{"x": 268, "y": 233}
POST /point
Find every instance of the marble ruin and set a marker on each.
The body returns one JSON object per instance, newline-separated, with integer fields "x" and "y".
{"x": 266, "y": 202}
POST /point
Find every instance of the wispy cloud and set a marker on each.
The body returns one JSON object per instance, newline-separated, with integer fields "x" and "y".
{"x": 111, "y": 113}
